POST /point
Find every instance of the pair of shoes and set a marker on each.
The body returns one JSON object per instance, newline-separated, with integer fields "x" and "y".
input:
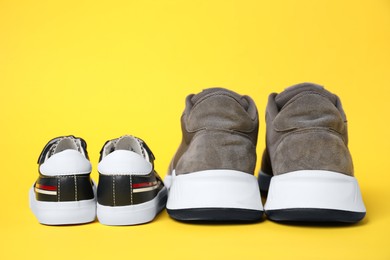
{"x": 129, "y": 192}
{"x": 306, "y": 167}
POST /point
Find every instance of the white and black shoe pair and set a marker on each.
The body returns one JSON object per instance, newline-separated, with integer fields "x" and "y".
{"x": 129, "y": 192}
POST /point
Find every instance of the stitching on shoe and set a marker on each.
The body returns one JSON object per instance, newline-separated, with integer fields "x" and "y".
{"x": 141, "y": 146}
{"x": 75, "y": 187}
{"x": 58, "y": 189}
{"x": 113, "y": 189}
{"x": 131, "y": 189}
{"x": 63, "y": 176}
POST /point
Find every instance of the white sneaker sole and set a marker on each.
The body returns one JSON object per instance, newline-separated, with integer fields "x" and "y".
{"x": 314, "y": 195}
{"x": 133, "y": 214}
{"x": 64, "y": 212}
{"x": 214, "y": 195}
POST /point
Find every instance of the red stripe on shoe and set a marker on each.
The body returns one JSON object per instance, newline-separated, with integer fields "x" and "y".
{"x": 143, "y": 184}
{"x": 46, "y": 187}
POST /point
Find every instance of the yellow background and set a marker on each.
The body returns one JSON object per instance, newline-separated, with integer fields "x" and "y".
{"x": 103, "y": 69}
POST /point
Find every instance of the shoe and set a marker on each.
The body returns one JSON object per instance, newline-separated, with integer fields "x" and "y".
{"x": 211, "y": 175}
{"x": 64, "y": 192}
{"x": 130, "y": 191}
{"x": 307, "y": 168}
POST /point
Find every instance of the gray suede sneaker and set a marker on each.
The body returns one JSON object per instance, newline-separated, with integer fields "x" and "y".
{"x": 308, "y": 159}
{"x": 211, "y": 175}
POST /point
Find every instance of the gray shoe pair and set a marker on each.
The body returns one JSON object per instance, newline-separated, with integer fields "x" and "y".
{"x": 306, "y": 168}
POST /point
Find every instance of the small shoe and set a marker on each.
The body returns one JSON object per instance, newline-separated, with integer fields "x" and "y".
{"x": 130, "y": 191}
{"x": 211, "y": 175}
{"x": 64, "y": 192}
{"x": 307, "y": 168}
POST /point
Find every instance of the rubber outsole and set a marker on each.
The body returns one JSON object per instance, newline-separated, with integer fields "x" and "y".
{"x": 216, "y": 215}
{"x": 314, "y": 215}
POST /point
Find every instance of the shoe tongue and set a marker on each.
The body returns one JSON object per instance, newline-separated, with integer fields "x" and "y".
{"x": 220, "y": 91}
{"x": 129, "y": 143}
{"x": 282, "y": 98}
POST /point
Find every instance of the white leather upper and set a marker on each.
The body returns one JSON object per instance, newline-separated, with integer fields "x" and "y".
{"x": 124, "y": 162}
{"x": 66, "y": 162}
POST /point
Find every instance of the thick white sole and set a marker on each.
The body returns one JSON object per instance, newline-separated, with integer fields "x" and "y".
{"x": 133, "y": 214}
{"x": 214, "y": 189}
{"x": 314, "y": 189}
{"x": 63, "y": 213}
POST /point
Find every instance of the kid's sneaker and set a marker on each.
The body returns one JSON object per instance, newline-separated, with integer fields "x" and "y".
{"x": 307, "y": 168}
{"x": 211, "y": 175}
{"x": 130, "y": 191}
{"x": 64, "y": 192}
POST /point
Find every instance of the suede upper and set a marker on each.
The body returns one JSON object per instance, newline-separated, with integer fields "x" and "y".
{"x": 306, "y": 130}
{"x": 220, "y": 130}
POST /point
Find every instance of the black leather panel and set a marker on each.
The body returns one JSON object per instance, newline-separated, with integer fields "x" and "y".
{"x": 122, "y": 190}
{"x": 67, "y": 189}
{"x": 84, "y": 188}
{"x": 64, "y": 188}
{"x": 116, "y": 190}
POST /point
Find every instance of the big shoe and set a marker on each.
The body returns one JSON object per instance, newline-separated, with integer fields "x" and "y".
{"x": 307, "y": 168}
{"x": 211, "y": 175}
